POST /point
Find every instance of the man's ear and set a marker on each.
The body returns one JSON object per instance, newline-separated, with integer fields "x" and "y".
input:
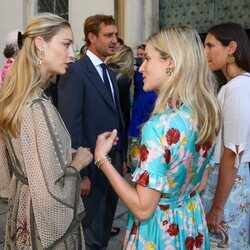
{"x": 39, "y": 42}
{"x": 91, "y": 37}
{"x": 232, "y": 47}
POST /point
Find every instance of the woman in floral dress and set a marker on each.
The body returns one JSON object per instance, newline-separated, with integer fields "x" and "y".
{"x": 227, "y": 196}
{"x": 175, "y": 147}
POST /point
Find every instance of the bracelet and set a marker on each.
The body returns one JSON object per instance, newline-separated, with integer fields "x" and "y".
{"x": 101, "y": 160}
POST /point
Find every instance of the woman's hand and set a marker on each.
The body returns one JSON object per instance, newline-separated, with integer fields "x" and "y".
{"x": 81, "y": 158}
{"x": 104, "y": 143}
{"x": 214, "y": 218}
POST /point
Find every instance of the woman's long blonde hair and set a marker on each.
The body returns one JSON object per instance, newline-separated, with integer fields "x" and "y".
{"x": 123, "y": 57}
{"x": 191, "y": 82}
{"x": 24, "y": 77}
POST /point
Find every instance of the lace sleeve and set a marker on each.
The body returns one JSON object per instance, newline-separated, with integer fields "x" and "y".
{"x": 5, "y": 176}
{"x": 54, "y": 187}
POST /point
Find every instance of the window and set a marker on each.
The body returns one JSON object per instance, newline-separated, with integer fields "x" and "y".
{"x": 58, "y": 7}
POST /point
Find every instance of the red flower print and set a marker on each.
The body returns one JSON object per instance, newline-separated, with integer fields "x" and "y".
{"x": 197, "y": 147}
{"x": 23, "y": 235}
{"x": 172, "y": 136}
{"x": 189, "y": 243}
{"x": 164, "y": 207}
{"x": 173, "y": 229}
{"x": 143, "y": 152}
{"x": 134, "y": 228}
{"x": 165, "y": 222}
{"x": 143, "y": 180}
{"x": 192, "y": 194}
{"x": 167, "y": 155}
{"x": 170, "y": 103}
{"x": 198, "y": 240}
{"x": 206, "y": 146}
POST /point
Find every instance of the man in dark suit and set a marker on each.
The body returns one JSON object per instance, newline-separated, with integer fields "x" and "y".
{"x": 89, "y": 105}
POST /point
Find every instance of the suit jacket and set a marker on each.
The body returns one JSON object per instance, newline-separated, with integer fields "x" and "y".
{"x": 88, "y": 110}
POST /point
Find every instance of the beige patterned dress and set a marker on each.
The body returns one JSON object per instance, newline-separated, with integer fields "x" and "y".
{"x": 45, "y": 209}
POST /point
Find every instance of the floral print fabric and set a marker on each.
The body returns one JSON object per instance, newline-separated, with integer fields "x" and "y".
{"x": 236, "y": 219}
{"x": 169, "y": 161}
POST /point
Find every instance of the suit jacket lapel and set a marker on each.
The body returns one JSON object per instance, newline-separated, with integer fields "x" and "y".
{"x": 116, "y": 93}
{"x": 97, "y": 82}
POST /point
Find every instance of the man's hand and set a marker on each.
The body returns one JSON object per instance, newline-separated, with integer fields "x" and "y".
{"x": 85, "y": 186}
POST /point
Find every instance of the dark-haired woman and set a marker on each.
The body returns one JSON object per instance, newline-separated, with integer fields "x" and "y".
{"x": 227, "y": 196}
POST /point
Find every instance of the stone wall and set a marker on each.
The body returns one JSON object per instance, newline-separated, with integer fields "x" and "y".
{"x": 202, "y": 14}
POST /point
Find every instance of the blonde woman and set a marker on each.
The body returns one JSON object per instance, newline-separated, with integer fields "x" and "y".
{"x": 121, "y": 62}
{"x": 44, "y": 208}
{"x": 175, "y": 148}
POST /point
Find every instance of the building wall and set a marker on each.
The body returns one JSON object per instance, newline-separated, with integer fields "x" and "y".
{"x": 15, "y": 14}
{"x": 140, "y": 21}
{"x": 136, "y": 19}
{"x": 79, "y": 10}
{"x": 11, "y": 18}
{"x": 203, "y": 14}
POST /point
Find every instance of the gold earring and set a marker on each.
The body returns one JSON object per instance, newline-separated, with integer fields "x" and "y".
{"x": 169, "y": 71}
{"x": 40, "y": 59}
{"x": 230, "y": 59}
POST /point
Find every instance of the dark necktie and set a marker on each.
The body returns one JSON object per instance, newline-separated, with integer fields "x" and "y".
{"x": 106, "y": 79}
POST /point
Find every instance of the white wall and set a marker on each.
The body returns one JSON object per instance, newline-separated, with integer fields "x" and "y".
{"x": 141, "y": 20}
{"x": 15, "y": 14}
{"x": 11, "y": 18}
{"x": 79, "y": 10}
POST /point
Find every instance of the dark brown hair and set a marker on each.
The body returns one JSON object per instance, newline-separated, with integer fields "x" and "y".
{"x": 92, "y": 24}
{"x": 9, "y": 51}
{"x": 141, "y": 46}
{"x": 227, "y": 32}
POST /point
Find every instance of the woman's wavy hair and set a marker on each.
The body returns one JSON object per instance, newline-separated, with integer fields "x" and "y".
{"x": 123, "y": 57}
{"x": 191, "y": 82}
{"x": 24, "y": 76}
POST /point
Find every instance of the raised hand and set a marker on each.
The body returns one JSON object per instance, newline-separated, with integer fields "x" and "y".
{"x": 105, "y": 142}
{"x": 82, "y": 158}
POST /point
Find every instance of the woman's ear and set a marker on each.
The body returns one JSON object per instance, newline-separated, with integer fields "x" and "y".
{"x": 232, "y": 47}
{"x": 39, "y": 42}
{"x": 170, "y": 63}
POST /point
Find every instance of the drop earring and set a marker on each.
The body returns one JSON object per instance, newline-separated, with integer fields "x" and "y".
{"x": 169, "y": 71}
{"x": 230, "y": 59}
{"x": 40, "y": 59}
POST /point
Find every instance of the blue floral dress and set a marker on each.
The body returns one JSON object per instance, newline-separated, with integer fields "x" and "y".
{"x": 170, "y": 162}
